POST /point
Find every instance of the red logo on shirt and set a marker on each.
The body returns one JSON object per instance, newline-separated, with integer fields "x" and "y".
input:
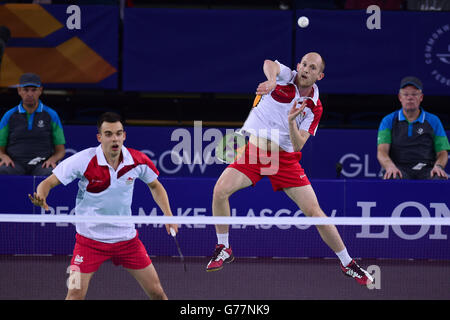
{"x": 284, "y": 94}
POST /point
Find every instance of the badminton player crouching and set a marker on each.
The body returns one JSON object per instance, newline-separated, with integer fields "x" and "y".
{"x": 107, "y": 175}
{"x": 280, "y": 127}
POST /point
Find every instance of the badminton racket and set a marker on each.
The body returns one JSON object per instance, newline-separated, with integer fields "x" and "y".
{"x": 174, "y": 236}
{"x": 231, "y": 147}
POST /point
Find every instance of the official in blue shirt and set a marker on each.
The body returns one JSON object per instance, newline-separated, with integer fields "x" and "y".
{"x": 31, "y": 135}
{"x": 412, "y": 143}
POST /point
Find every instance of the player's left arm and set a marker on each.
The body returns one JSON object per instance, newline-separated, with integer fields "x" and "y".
{"x": 161, "y": 198}
{"x": 39, "y": 198}
{"x": 298, "y": 136}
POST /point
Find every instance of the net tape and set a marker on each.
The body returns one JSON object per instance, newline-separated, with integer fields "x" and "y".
{"x": 50, "y": 218}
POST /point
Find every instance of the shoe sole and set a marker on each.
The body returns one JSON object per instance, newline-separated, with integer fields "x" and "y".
{"x": 361, "y": 284}
{"x": 229, "y": 260}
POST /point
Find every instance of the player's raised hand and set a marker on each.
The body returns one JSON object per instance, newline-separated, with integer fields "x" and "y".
{"x": 265, "y": 87}
{"x": 38, "y": 200}
{"x": 294, "y": 112}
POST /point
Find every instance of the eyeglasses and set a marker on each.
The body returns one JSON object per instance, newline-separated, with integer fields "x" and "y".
{"x": 414, "y": 95}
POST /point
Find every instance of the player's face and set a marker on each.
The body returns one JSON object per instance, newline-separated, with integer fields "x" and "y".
{"x": 111, "y": 137}
{"x": 30, "y": 95}
{"x": 410, "y": 97}
{"x": 309, "y": 70}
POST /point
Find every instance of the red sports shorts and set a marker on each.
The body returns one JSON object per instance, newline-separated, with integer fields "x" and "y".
{"x": 282, "y": 168}
{"x": 89, "y": 254}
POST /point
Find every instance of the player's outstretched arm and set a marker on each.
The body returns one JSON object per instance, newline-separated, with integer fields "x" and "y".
{"x": 39, "y": 197}
{"x": 162, "y": 200}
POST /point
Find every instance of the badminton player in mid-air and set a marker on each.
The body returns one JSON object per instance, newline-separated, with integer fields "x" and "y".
{"x": 107, "y": 174}
{"x": 286, "y": 113}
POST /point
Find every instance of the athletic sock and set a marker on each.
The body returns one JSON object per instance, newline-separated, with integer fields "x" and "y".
{"x": 344, "y": 257}
{"x": 222, "y": 238}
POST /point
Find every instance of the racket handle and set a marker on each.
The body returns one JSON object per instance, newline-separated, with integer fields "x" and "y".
{"x": 172, "y": 232}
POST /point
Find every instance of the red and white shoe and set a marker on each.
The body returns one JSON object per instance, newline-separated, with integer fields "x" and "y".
{"x": 354, "y": 271}
{"x": 221, "y": 255}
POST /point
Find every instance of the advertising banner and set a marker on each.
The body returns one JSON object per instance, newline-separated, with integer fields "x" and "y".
{"x": 355, "y": 150}
{"x": 193, "y": 197}
{"x": 68, "y": 46}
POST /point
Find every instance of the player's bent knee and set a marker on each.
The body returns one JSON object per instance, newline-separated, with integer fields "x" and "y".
{"x": 220, "y": 192}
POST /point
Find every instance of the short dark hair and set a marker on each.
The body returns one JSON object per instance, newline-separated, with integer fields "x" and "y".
{"x": 110, "y": 117}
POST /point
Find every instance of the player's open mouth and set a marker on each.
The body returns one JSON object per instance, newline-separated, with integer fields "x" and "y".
{"x": 115, "y": 147}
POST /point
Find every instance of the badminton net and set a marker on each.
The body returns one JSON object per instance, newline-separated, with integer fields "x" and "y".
{"x": 275, "y": 257}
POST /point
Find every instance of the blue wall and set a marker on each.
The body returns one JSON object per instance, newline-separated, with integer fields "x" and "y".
{"x": 222, "y": 51}
{"x": 355, "y": 149}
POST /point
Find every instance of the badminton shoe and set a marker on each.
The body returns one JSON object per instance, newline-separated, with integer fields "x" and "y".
{"x": 354, "y": 271}
{"x": 221, "y": 255}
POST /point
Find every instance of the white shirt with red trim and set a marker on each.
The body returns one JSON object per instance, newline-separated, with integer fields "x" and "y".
{"x": 269, "y": 118}
{"x": 105, "y": 191}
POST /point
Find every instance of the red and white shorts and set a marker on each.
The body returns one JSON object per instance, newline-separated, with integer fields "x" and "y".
{"x": 282, "y": 168}
{"x": 89, "y": 254}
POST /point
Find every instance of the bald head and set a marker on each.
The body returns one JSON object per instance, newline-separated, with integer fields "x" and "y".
{"x": 315, "y": 58}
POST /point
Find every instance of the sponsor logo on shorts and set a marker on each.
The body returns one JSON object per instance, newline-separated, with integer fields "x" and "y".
{"x": 78, "y": 259}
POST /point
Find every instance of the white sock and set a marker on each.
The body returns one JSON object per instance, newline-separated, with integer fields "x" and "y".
{"x": 344, "y": 257}
{"x": 222, "y": 238}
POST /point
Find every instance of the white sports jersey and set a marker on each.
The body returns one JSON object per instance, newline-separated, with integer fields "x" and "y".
{"x": 105, "y": 191}
{"x": 269, "y": 118}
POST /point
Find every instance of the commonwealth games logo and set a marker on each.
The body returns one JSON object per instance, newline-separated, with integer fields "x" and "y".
{"x": 437, "y": 54}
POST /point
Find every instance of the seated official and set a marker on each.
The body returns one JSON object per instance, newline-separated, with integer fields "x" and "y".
{"x": 31, "y": 135}
{"x": 412, "y": 143}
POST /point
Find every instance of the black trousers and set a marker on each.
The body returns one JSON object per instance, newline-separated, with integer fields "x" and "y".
{"x": 26, "y": 169}
{"x": 415, "y": 171}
